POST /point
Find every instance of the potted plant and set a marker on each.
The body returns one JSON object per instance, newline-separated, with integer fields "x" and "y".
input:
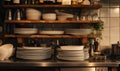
{"x": 97, "y": 29}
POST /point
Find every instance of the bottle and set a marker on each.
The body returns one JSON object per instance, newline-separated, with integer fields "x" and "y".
{"x": 96, "y": 44}
{"x": 91, "y": 51}
{"x": 57, "y": 45}
{"x": 7, "y": 2}
{"x": 16, "y": 1}
{"x": 18, "y": 15}
{"x": 8, "y": 15}
{"x": 58, "y": 1}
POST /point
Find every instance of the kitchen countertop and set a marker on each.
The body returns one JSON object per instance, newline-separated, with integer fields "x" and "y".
{"x": 58, "y": 63}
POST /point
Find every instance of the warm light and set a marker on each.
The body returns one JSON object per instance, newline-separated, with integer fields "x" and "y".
{"x": 116, "y": 10}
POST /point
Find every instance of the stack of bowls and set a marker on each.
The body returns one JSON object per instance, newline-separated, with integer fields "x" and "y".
{"x": 64, "y": 16}
{"x": 33, "y": 14}
{"x": 49, "y": 16}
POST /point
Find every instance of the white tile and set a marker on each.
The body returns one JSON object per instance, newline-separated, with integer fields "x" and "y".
{"x": 114, "y": 31}
{"x": 105, "y": 3}
{"x": 105, "y": 40}
{"x": 114, "y": 22}
{"x": 104, "y": 12}
{"x": 114, "y": 39}
{"x": 114, "y": 12}
{"x": 114, "y": 3}
{"x": 106, "y": 22}
{"x": 106, "y": 31}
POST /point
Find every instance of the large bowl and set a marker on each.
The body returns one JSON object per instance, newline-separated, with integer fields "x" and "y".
{"x": 32, "y": 11}
{"x": 49, "y": 16}
{"x": 33, "y": 14}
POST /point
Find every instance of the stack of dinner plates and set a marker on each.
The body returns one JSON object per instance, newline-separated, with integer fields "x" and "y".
{"x": 73, "y": 53}
{"x": 25, "y": 30}
{"x": 33, "y": 53}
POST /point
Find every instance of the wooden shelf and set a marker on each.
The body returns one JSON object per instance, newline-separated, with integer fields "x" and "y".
{"x": 46, "y": 36}
{"x": 50, "y": 22}
{"x": 96, "y": 6}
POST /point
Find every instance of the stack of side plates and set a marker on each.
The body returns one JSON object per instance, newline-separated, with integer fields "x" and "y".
{"x": 25, "y": 30}
{"x": 51, "y": 32}
{"x": 78, "y": 31}
{"x": 72, "y": 53}
{"x": 33, "y": 53}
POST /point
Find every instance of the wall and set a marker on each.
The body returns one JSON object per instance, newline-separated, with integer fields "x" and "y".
{"x": 110, "y": 14}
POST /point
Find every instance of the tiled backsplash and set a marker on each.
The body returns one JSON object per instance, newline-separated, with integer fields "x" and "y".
{"x": 110, "y": 14}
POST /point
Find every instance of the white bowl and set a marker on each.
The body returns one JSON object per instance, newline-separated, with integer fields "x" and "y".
{"x": 49, "y": 16}
{"x": 33, "y": 14}
{"x": 32, "y": 10}
{"x": 64, "y": 17}
{"x": 6, "y": 51}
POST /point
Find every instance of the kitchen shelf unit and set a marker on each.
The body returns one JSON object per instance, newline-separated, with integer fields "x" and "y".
{"x": 27, "y": 22}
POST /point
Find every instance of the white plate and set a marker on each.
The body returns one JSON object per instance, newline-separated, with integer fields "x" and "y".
{"x": 34, "y": 57}
{"x": 51, "y": 32}
{"x": 71, "y": 55}
{"x": 34, "y": 48}
{"x": 33, "y": 53}
{"x": 71, "y": 52}
{"x": 71, "y": 58}
{"x": 72, "y": 47}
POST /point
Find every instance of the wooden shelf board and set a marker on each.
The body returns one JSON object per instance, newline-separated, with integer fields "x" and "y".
{"x": 96, "y": 6}
{"x": 47, "y": 36}
{"x": 51, "y": 21}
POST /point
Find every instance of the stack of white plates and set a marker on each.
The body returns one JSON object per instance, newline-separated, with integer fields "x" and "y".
{"x": 33, "y": 53}
{"x": 51, "y": 32}
{"x": 73, "y": 53}
{"x": 78, "y": 31}
{"x": 25, "y": 30}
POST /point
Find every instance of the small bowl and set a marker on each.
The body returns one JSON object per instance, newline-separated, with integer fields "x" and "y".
{"x": 49, "y": 16}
